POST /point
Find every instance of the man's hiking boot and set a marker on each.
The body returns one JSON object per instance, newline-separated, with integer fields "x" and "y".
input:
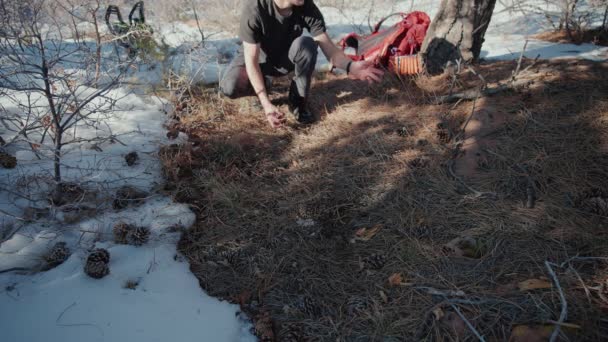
{"x": 297, "y": 106}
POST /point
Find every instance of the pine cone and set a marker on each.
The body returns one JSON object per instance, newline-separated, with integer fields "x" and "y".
{"x": 443, "y": 132}
{"x": 131, "y": 158}
{"x": 138, "y": 236}
{"x": 57, "y": 255}
{"x": 66, "y": 192}
{"x": 356, "y": 305}
{"x": 290, "y": 333}
{"x": 7, "y": 161}
{"x": 128, "y": 195}
{"x": 120, "y": 231}
{"x": 96, "y": 269}
{"x": 308, "y": 306}
{"x": 596, "y": 205}
{"x": 97, "y": 264}
{"x": 594, "y": 201}
{"x": 421, "y": 231}
{"x": 375, "y": 261}
{"x": 419, "y": 163}
{"x": 232, "y": 256}
{"x": 185, "y": 195}
{"x": 99, "y": 255}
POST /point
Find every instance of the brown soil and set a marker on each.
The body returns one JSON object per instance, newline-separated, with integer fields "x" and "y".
{"x": 304, "y": 226}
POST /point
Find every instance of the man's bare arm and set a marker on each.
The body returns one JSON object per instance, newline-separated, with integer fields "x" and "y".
{"x": 254, "y": 72}
{"x": 362, "y": 70}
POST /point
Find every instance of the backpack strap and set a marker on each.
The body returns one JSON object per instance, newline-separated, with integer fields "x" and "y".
{"x": 114, "y": 10}
{"x": 379, "y": 24}
{"x": 140, "y": 19}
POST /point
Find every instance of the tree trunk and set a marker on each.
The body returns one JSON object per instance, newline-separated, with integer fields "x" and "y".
{"x": 98, "y": 47}
{"x": 457, "y": 32}
{"x": 604, "y": 27}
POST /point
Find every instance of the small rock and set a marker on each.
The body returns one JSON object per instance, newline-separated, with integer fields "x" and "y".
{"x": 422, "y": 142}
{"x": 33, "y": 214}
{"x": 172, "y": 134}
{"x": 7, "y": 161}
{"x": 131, "y": 158}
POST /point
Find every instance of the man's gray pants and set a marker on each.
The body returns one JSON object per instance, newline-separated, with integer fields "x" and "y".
{"x": 301, "y": 59}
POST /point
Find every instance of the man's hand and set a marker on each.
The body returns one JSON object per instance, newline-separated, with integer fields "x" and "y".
{"x": 362, "y": 70}
{"x": 365, "y": 71}
{"x": 274, "y": 116}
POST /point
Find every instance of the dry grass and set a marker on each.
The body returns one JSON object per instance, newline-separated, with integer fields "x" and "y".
{"x": 596, "y": 36}
{"x": 279, "y": 210}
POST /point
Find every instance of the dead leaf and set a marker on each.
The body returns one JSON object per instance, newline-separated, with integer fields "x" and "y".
{"x": 534, "y": 284}
{"x": 395, "y": 280}
{"x": 384, "y": 297}
{"x": 438, "y": 312}
{"x": 365, "y": 234}
{"x": 466, "y": 246}
{"x": 244, "y": 297}
{"x": 525, "y": 333}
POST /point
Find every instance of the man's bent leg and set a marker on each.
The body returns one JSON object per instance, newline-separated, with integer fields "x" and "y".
{"x": 303, "y": 54}
{"x": 234, "y": 82}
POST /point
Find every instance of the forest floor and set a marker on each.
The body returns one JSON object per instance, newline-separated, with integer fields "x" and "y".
{"x": 400, "y": 218}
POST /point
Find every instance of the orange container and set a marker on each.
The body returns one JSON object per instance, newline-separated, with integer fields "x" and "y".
{"x": 404, "y": 65}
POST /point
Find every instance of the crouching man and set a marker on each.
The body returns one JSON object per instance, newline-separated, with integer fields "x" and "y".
{"x": 273, "y": 45}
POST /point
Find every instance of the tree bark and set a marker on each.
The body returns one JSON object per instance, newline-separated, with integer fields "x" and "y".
{"x": 604, "y": 27}
{"x": 457, "y": 32}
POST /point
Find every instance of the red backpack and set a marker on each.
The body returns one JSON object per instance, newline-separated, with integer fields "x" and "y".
{"x": 393, "y": 47}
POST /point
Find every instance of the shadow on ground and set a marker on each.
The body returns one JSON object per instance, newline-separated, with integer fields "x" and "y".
{"x": 304, "y": 227}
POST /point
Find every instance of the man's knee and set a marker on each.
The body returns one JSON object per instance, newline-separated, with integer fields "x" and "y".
{"x": 230, "y": 85}
{"x": 228, "y": 89}
{"x": 304, "y": 49}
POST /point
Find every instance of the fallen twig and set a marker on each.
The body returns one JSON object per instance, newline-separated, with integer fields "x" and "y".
{"x": 466, "y": 123}
{"x": 466, "y": 321}
{"x": 484, "y": 83}
{"x": 521, "y": 57}
{"x": 476, "y": 194}
{"x": 564, "y": 313}
{"x": 472, "y": 94}
{"x": 530, "y": 187}
{"x": 444, "y": 293}
{"x": 75, "y": 324}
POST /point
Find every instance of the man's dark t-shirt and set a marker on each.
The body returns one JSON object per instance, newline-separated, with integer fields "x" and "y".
{"x": 262, "y": 24}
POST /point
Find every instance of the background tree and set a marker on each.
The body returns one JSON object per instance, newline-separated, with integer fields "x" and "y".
{"x": 58, "y": 86}
{"x": 457, "y": 32}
